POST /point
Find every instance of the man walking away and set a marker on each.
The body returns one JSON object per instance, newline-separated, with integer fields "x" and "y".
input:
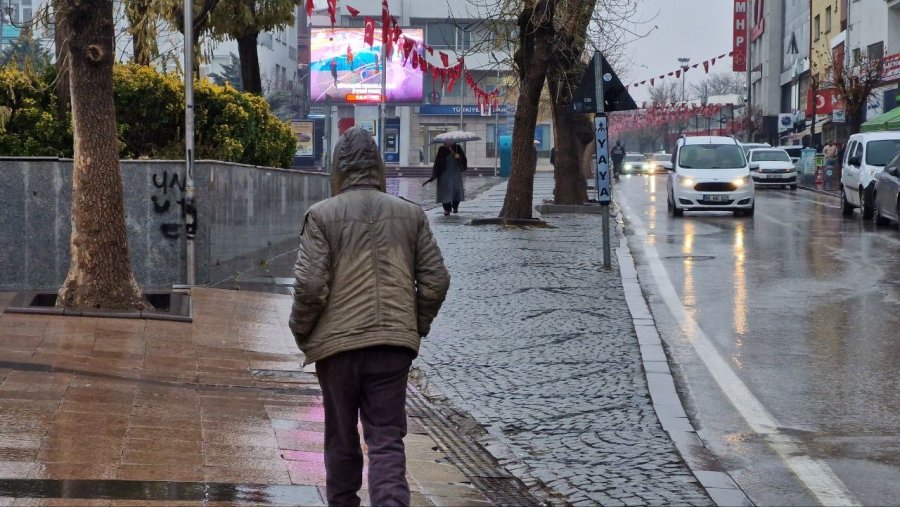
{"x": 617, "y": 153}
{"x": 370, "y": 280}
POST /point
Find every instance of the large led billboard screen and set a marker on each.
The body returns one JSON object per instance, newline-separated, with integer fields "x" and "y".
{"x": 346, "y": 70}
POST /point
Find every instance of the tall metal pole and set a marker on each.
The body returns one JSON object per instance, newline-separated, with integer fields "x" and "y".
{"x": 598, "y": 96}
{"x": 462, "y": 89}
{"x": 749, "y": 110}
{"x": 497, "y": 127}
{"x": 190, "y": 226}
{"x": 381, "y": 103}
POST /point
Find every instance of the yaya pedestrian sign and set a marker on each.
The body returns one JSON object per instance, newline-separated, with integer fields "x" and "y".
{"x": 344, "y": 69}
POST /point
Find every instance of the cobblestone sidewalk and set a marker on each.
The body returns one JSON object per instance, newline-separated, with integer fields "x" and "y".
{"x": 536, "y": 343}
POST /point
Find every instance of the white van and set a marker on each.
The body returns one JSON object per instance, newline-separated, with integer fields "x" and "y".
{"x": 865, "y": 157}
{"x": 709, "y": 173}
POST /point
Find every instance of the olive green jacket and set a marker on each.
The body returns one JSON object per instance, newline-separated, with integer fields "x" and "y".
{"x": 368, "y": 271}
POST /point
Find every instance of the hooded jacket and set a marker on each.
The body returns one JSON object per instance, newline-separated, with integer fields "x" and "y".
{"x": 368, "y": 270}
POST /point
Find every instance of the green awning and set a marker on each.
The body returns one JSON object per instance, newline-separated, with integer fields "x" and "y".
{"x": 887, "y": 121}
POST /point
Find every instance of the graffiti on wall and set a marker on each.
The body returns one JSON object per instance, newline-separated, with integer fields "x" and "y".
{"x": 168, "y": 198}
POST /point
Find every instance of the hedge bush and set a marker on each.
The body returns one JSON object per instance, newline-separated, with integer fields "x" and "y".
{"x": 230, "y": 125}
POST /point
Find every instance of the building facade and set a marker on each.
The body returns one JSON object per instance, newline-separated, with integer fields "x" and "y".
{"x": 766, "y": 25}
{"x": 458, "y": 28}
{"x": 874, "y": 32}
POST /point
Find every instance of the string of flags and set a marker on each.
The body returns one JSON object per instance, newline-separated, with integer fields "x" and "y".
{"x": 677, "y": 73}
{"x": 413, "y": 52}
{"x": 659, "y": 114}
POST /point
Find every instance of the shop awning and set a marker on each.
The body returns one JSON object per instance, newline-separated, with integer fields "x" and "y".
{"x": 887, "y": 121}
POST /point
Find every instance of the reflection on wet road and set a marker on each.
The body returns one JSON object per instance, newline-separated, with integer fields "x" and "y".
{"x": 783, "y": 328}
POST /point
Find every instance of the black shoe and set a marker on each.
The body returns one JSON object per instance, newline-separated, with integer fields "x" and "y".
{"x": 455, "y": 211}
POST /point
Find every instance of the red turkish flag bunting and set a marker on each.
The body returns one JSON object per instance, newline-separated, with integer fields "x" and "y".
{"x": 445, "y": 58}
{"x": 706, "y": 67}
{"x": 652, "y": 82}
{"x": 386, "y": 29}
{"x": 369, "y": 33}
{"x": 430, "y": 50}
{"x": 415, "y": 60}
{"x": 332, "y": 10}
{"x": 353, "y": 12}
{"x": 677, "y": 73}
{"x": 713, "y": 61}
{"x": 397, "y": 31}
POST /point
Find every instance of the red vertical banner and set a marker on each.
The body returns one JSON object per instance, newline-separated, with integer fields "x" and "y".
{"x": 739, "y": 58}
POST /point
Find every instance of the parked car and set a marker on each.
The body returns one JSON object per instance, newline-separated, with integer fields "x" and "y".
{"x": 749, "y": 146}
{"x": 886, "y": 199}
{"x": 709, "y": 173}
{"x": 655, "y": 159}
{"x": 772, "y": 167}
{"x": 633, "y": 163}
{"x": 864, "y": 159}
{"x": 795, "y": 151}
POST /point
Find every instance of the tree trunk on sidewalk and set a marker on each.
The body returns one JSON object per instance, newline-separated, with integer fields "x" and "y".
{"x": 100, "y": 274}
{"x": 249, "y": 57}
{"x": 572, "y": 132}
{"x": 572, "y": 135}
{"x": 532, "y": 59}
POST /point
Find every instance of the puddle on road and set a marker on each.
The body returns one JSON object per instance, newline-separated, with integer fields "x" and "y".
{"x": 160, "y": 490}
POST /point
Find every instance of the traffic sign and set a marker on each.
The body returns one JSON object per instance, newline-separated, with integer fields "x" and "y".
{"x": 602, "y": 176}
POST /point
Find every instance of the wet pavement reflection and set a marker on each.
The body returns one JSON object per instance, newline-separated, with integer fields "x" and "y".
{"x": 803, "y": 304}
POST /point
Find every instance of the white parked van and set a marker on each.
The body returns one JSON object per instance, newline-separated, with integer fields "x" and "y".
{"x": 865, "y": 157}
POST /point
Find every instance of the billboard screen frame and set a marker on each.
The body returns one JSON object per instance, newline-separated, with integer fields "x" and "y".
{"x": 415, "y": 33}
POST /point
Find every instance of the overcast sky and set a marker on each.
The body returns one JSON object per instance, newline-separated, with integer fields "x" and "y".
{"x": 695, "y": 29}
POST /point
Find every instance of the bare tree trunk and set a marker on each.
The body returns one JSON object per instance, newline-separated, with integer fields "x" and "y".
{"x": 532, "y": 59}
{"x": 572, "y": 134}
{"x": 249, "y": 56}
{"x": 100, "y": 272}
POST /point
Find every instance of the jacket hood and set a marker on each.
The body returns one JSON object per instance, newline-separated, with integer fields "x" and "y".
{"x": 356, "y": 161}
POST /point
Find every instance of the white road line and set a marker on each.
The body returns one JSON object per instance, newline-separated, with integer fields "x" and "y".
{"x": 815, "y": 474}
{"x": 798, "y": 198}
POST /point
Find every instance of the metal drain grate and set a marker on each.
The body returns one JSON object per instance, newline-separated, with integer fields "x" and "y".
{"x": 498, "y": 486}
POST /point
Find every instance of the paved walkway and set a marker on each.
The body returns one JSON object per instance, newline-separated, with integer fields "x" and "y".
{"x": 134, "y": 412}
{"x": 536, "y": 343}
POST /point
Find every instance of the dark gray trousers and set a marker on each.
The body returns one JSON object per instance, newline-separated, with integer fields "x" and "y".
{"x": 369, "y": 385}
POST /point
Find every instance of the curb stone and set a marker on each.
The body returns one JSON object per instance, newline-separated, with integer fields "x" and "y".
{"x": 719, "y": 485}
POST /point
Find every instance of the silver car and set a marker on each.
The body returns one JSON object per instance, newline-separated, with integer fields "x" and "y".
{"x": 887, "y": 193}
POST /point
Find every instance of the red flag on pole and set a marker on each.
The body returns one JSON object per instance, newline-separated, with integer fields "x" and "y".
{"x": 369, "y": 33}
{"x": 353, "y": 12}
{"x": 309, "y": 8}
{"x": 386, "y": 29}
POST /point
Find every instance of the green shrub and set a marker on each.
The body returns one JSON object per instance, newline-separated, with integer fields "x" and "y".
{"x": 229, "y": 125}
{"x": 28, "y": 124}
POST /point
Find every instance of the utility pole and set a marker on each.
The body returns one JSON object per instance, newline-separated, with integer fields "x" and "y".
{"x": 190, "y": 207}
{"x": 381, "y": 103}
{"x": 749, "y": 105}
{"x": 461, "y": 46}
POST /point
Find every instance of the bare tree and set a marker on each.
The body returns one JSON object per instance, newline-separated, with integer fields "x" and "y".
{"x": 665, "y": 93}
{"x": 100, "y": 273}
{"x": 729, "y": 83}
{"x": 855, "y": 85}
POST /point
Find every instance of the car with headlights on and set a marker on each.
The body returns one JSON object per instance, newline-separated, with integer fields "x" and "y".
{"x": 634, "y": 163}
{"x": 772, "y": 167}
{"x": 709, "y": 173}
{"x": 654, "y": 161}
{"x": 887, "y": 193}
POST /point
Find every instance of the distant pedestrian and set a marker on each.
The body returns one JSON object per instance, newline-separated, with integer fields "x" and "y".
{"x": 334, "y": 74}
{"x": 449, "y": 164}
{"x": 369, "y": 281}
{"x": 617, "y": 153}
{"x": 553, "y": 156}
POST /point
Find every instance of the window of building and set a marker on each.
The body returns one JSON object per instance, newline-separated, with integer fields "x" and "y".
{"x": 441, "y": 35}
{"x": 857, "y": 56}
{"x": 817, "y": 27}
{"x": 828, "y": 20}
{"x": 876, "y": 51}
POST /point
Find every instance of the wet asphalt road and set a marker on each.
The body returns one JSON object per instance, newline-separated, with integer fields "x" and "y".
{"x": 785, "y": 331}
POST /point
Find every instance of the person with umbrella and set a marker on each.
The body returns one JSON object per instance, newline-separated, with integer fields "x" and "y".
{"x": 449, "y": 164}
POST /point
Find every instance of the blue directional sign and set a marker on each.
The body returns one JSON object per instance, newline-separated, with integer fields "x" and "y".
{"x": 602, "y": 175}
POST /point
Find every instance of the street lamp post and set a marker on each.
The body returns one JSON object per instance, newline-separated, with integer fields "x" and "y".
{"x": 684, "y": 66}
{"x": 189, "y": 205}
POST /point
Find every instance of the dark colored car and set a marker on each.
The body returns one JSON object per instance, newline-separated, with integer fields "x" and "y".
{"x": 887, "y": 193}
